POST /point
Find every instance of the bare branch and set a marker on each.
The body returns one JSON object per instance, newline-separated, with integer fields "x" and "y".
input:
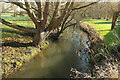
{"x": 56, "y": 21}
{"x": 64, "y": 21}
{"x": 70, "y": 19}
{"x": 39, "y": 8}
{"x": 84, "y": 6}
{"x": 65, "y": 10}
{"x": 21, "y": 5}
{"x": 22, "y": 28}
{"x": 45, "y": 14}
{"x": 30, "y": 12}
{"x": 56, "y": 10}
{"x": 27, "y": 4}
{"x": 67, "y": 15}
{"x": 69, "y": 10}
{"x": 69, "y": 26}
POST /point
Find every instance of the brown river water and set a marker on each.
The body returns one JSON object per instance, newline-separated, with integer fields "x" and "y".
{"x": 59, "y": 58}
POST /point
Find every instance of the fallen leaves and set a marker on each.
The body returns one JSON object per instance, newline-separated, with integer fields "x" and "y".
{"x": 14, "y": 57}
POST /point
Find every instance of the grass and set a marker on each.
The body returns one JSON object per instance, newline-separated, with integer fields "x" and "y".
{"x": 16, "y": 45}
{"x": 8, "y": 32}
{"x": 14, "y": 50}
{"x": 112, "y": 38}
{"x": 103, "y": 27}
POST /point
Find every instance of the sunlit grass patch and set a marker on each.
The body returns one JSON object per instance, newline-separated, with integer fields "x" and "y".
{"x": 104, "y": 28}
{"x": 11, "y": 32}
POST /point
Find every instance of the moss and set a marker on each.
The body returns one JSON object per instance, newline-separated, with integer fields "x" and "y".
{"x": 45, "y": 45}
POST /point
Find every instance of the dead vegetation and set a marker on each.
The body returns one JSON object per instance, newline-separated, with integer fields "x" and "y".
{"x": 105, "y": 65}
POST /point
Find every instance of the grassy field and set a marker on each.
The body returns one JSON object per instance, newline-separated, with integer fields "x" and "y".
{"x": 103, "y": 27}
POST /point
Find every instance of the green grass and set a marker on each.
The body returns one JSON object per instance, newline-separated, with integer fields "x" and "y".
{"x": 16, "y": 45}
{"x": 8, "y": 32}
{"x": 103, "y": 27}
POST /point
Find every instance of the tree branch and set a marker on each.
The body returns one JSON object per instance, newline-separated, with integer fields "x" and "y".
{"x": 45, "y": 14}
{"x": 69, "y": 9}
{"x": 22, "y": 28}
{"x": 84, "y": 6}
{"x": 39, "y": 8}
{"x": 21, "y": 5}
{"x": 55, "y": 12}
{"x": 56, "y": 21}
{"x": 30, "y": 12}
{"x": 70, "y": 19}
{"x": 69, "y": 26}
{"x": 67, "y": 15}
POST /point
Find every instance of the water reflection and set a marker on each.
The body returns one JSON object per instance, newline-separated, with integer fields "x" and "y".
{"x": 59, "y": 58}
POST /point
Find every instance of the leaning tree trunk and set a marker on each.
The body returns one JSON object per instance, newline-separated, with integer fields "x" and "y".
{"x": 115, "y": 16}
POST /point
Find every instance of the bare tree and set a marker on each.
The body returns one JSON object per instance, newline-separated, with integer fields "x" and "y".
{"x": 42, "y": 19}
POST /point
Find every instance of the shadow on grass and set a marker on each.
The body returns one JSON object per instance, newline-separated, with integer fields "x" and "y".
{"x": 103, "y": 22}
{"x": 16, "y": 32}
{"x": 14, "y": 43}
{"x": 17, "y": 44}
{"x": 104, "y": 30}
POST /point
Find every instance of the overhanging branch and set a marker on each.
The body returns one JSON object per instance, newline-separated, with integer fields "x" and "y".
{"x": 84, "y": 6}
{"x": 69, "y": 26}
{"x": 21, "y": 28}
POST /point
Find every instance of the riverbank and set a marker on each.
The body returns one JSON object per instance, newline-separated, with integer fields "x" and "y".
{"x": 16, "y": 46}
{"x": 106, "y": 62}
{"x": 96, "y": 41}
{"x": 111, "y": 37}
{"x": 15, "y": 53}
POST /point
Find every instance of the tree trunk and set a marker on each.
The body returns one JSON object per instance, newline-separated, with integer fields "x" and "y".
{"x": 114, "y": 21}
{"x": 115, "y": 16}
{"x": 14, "y": 15}
{"x": 37, "y": 37}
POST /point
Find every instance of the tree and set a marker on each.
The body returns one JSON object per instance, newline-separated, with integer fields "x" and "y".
{"x": 114, "y": 19}
{"x": 103, "y": 10}
{"x": 43, "y": 21}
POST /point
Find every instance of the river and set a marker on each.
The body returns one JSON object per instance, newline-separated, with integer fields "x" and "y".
{"x": 59, "y": 58}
